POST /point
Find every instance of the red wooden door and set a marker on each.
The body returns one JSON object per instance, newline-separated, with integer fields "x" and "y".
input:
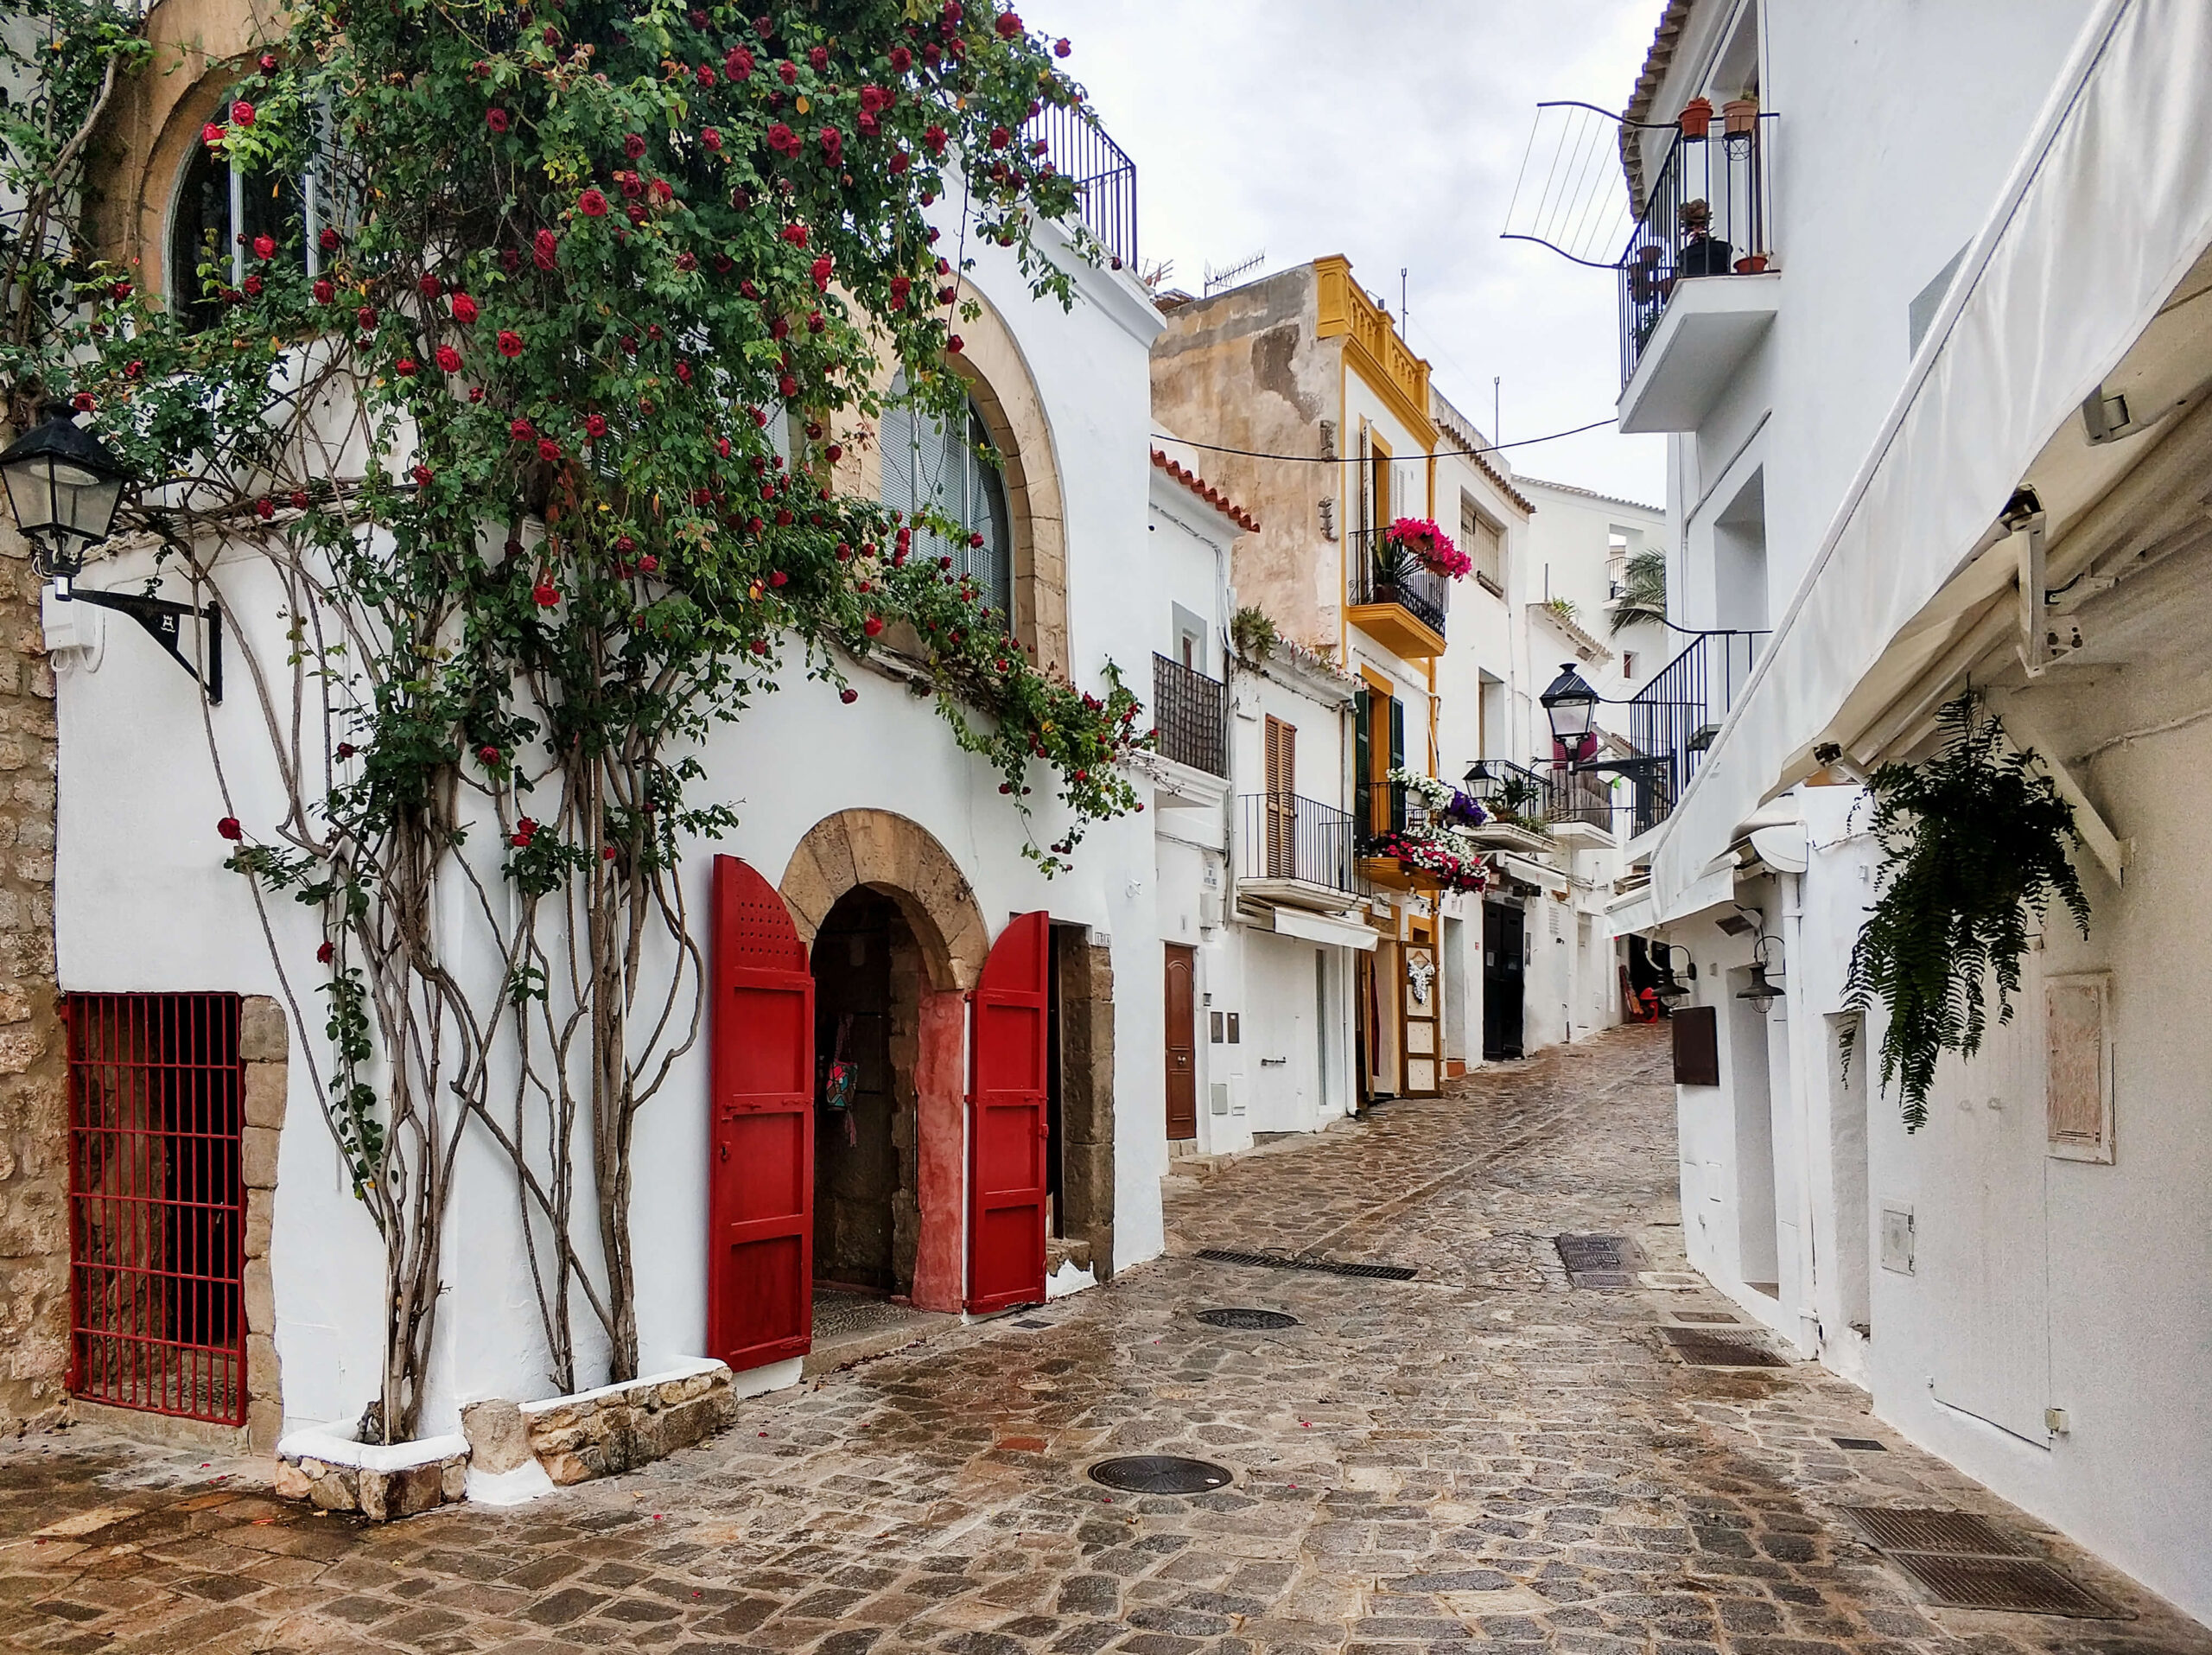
{"x": 761, "y": 1199}
{"x": 1007, "y": 1120}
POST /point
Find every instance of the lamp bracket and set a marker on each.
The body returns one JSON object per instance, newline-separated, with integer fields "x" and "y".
{"x": 161, "y": 619}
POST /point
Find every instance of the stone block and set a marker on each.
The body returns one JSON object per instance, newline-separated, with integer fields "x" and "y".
{"x": 416, "y": 1490}
{"x": 15, "y": 1004}
{"x": 338, "y": 1490}
{"x": 499, "y": 1440}
{"x": 265, "y": 1084}
{"x": 568, "y": 1468}
{"x": 20, "y": 1048}
{"x": 264, "y": 1033}
{"x": 260, "y": 1297}
{"x": 453, "y": 1479}
{"x": 258, "y": 1157}
{"x": 264, "y": 1424}
{"x": 373, "y": 1494}
{"x": 260, "y": 1218}
{"x": 290, "y": 1482}
{"x": 262, "y": 1376}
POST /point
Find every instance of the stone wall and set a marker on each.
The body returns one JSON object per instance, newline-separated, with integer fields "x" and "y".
{"x": 33, "y": 1096}
{"x": 599, "y": 1433}
{"x": 265, "y": 1046}
{"x": 377, "y": 1493}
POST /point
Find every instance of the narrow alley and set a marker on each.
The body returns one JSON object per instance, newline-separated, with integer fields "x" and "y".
{"x": 1483, "y": 1454}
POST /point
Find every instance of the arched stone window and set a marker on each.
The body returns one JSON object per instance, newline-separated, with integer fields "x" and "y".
{"x": 219, "y": 211}
{"x": 953, "y": 470}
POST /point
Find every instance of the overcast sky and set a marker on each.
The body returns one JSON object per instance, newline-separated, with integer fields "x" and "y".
{"x": 1391, "y": 132}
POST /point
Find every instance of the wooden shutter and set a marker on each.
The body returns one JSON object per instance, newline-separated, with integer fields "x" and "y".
{"x": 760, "y": 1191}
{"x": 1008, "y": 1071}
{"x": 2077, "y": 1073}
{"x": 1697, "y": 1047}
{"x": 1281, "y": 798}
{"x": 1397, "y": 734}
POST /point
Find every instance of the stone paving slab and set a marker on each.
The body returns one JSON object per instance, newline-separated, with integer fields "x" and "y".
{"x": 1482, "y": 1460}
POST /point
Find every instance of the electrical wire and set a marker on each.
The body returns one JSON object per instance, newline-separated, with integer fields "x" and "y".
{"x": 1440, "y": 454}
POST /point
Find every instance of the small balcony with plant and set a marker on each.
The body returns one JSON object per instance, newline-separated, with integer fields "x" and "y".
{"x": 1514, "y": 799}
{"x": 1698, "y": 284}
{"x": 1402, "y": 578}
{"x": 1420, "y": 832}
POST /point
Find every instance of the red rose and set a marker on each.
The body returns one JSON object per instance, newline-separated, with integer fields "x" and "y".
{"x": 242, "y": 113}
{"x": 522, "y": 431}
{"x": 848, "y": 695}
{"x": 430, "y": 287}
{"x": 711, "y": 138}
{"x": 899, "y": 162}
{"x": 496, "y": 120}
{"x": 510, "y": 342}
{"x": 596, "y": 424}
{"x": 872, "y": 625}
{"x": 488, "y": 755}
{"x": 833, "y": 143}
{"x": 900, "y": 286}
{"x": 779, "y": 137}
{"x": 323, "y": 954}
{"x": 422, "y": 476}
{"x": 448, "y": 358}
{"x": 1061, "y": 48}
{"x": 299, "y": 499}
{"x": 629, "y": 344}
{"x": 464, "y": 308}
{"x": 778, "y": 578}
{"x": 901, "y": 60}
{"x": 545, "y": 595}
{"x": 324, "y": 293}
{"x": 265, "y": 246}
{"x": 1000, "y": 137}
{"x": 648, "y": 563}
{"x": 229, "y": 827}
{"x": 632, "y": 145}
{"x": 796, "y": 234}
{"x": 347, "y": 749}
{"x": 953, "y": 344}
{"x": 329, "y": 241}
{"x": 543, "y": 247}
{"x": 592, "y": 204}
{"x": 606, "y": 852}
{"x": 738, "y": 66}
{"x": 212, "y": 134}
{"x": 547, "y": 449}
{"x": 404, "y": 368}
{"x": 821, "y": 269}
{"x": 789, "y": 72}
{"x": 264, "y": 508}
{"x": 934, "y": 140}
{"x": 1009, "y": 25}
{"x": 704, "y": 74}
{"x": 253, "y": 287}
{"x": 687, "y": 261}
{"x": 835, "y": 452}
{"x": 787, "y": 387}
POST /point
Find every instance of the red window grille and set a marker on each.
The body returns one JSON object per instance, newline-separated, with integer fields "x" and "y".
{"x": 156, "y": 1203}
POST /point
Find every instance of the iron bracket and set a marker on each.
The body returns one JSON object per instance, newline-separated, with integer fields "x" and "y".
{"x": 159, "y": 618}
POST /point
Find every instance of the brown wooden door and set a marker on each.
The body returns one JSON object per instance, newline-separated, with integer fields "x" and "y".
{"x": 1182, "y": 1042}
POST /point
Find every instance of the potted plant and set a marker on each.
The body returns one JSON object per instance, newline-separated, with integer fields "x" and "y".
{"x": 1420, "y": 538}
{"x": 1751, "y": 264}
{"x": 1696, "y": 118}
{"x": 1740, "y": 116}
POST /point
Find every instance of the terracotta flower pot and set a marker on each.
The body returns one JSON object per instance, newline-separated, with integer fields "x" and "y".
{"x": 1739, "y": 116}
{"x": 1696, "y": 118}
{"x": 1752, "y": 265}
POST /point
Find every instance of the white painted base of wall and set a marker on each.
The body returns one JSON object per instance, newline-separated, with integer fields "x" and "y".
{"x": 775, "y": 1376}
{"x": 518, "y": 1487}
{"x": 1068, "y": 1280}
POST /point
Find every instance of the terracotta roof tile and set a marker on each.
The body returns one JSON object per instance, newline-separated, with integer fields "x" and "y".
{"x": 1205, "y": 490}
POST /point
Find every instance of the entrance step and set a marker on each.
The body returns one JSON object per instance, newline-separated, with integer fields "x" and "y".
{"x": 1060, "y": 1251}
{"x": 852, "y": 1327}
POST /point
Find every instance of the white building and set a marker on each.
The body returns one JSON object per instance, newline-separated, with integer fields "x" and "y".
{"x": 1967, "y": 258}
{"x": 875, "y": 872}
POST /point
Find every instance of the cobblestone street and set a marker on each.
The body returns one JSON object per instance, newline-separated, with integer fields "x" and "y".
{"x": 1483, "y": 1456}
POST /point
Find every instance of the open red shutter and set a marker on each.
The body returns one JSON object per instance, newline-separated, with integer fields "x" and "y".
{"x": 761, "y": 1204}
{"x": 1006, "y": 1127}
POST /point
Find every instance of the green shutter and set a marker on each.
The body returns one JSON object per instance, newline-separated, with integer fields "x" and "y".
{"x": 1397, "y": 734}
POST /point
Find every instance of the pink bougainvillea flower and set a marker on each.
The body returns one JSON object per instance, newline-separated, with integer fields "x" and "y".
{"x": 497, "y": 119}
{"x": 510, "y": 342}
{"x": 448, "y": 358}
{"x": 464, "y": 308}
{"x": 241, "y": 113}
{"x": 592, "y": 204}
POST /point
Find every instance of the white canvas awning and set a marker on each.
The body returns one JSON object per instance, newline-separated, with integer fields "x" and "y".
{"x": 2107, "y": 207}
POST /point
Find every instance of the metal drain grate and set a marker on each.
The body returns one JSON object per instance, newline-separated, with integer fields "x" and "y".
{"x": 1161, "y": 1474}
{"x": 1599, "y": 1261}
{"x": 1917, "y": 1529}
{"x": 2018, "y": 1584}
{"x": 1247, "y": 1321}
{"x": 1964, "y": 1562}
{"x": 1032, "y": 1322}
{"x": 1285, "y": 1261}
{"x": 1701, "y": 1349}
{"x": 1860, "y": 1444}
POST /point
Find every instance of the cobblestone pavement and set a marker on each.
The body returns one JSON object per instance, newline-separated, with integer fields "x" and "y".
{"x": 1482, "y": 1459}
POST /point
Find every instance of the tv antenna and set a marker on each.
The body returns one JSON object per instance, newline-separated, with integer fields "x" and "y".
{"x": 1228, "y": 275}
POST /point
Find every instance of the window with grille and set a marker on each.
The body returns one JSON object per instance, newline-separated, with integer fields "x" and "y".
{"x": 1484, "y": 543}
{"x": 157, "y": 1203}
{"x": 221, "y": 208}
{"x": 952, "y": 470}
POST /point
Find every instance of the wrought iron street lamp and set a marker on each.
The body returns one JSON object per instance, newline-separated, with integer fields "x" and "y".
{"x": 64, "y": 487}
{"x": 1572, "y": 706}
{"x": 1762, "y": 992}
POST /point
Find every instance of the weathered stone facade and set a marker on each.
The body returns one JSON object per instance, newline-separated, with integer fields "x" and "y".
{"x": 599, "y": 1433}
{"x": 33, "y": 1096}
{"x": 379, "y": 1493}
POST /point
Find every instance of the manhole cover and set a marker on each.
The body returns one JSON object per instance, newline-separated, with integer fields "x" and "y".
{"x": 2018, "y": 1584}
{"x": 1917, "y": 1529}
{"x": 1161, "y": 1474}
{"x": 1860, "y": 1444}
{"x": 1701, "y": 1349}
{"x": 1247, "y": 1321}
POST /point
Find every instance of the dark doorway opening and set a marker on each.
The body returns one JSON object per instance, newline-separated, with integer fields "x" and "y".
{"x": 1503, "y": 958}
{"x": 868, "y": 985}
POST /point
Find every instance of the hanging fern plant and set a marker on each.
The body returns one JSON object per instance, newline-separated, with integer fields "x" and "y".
{"x": 1974, "y": 847}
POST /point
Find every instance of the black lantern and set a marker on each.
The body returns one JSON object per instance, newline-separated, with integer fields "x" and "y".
{"x": 1571, "y": 705}
{"x": 64, "y": 487}
{"x": 1762, "y": 993}
{"x": 1666, "y": 984}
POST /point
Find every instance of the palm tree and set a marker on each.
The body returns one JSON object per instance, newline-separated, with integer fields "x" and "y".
{"x": 1644, "y": 590}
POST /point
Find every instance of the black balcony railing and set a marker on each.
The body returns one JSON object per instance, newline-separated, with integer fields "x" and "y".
{"x": 1677, "y": 714}
{"x": 1189, "y": 711}
{"x": 1706, "y": 216}
{"x": 1511, "y": 793}
{"x": 1297, "y": 840}
{"x": 1105, "y": 177}
{"x": 1385, "y": 573}
{"x": 1384, "y": 808}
